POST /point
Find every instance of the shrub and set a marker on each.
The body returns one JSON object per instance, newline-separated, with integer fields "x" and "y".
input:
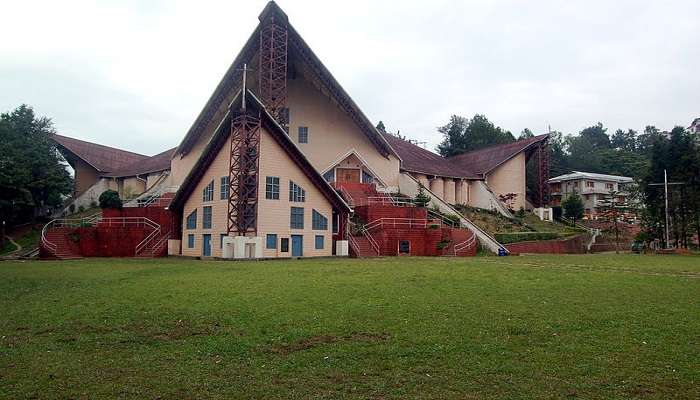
{"x": 513, "y": 237}
{"x": 421, "y": 199}
{"x": 110, "y": 199}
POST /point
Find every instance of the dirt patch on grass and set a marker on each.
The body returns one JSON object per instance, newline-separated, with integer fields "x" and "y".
{"x": 319, "y": 340}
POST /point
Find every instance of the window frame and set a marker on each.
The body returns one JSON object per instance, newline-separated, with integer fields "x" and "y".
{"x": 297, "y": 194}
{"x": 272, "y": 183}
{"x": 208, "y": 192}
{"x": 293, "y": 223}
{"x": 268, "y": 237}
{"x": 224, "y": 191}
{"x": 193, "y": 216}
{"x": 319, "y": 222}
{"x": 207, "y": 222}
{"x": 305, "y": 131}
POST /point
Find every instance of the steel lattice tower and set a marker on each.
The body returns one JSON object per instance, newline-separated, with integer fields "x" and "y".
{"x": 273, "y": 69}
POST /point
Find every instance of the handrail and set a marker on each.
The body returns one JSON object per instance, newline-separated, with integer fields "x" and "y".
{"x": 465, "y": 244}
{"x": 66, "y": 222}
{"x": 345, "y": 193}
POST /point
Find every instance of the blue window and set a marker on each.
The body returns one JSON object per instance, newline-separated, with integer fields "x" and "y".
{"x": 297, "y": 218}
{"x": 192, "y": 220}
{"x": 221, "y": 240}
{"x": 206, "y": 217}
{"x": 303, "y": 134}
{"x": 224, "y": 188}
{"x": 367, "y": 178}
{"x": 318, "y": 221}
{"x": 190, "y": 241}
{"x": 296, "y": 193}
{"x": 329, "y": 176}
{"x": 319, "y": 242}
{"x": 271, "y": 241}
{"x": 208, "y": 192}
{"x": 272, "y": 188}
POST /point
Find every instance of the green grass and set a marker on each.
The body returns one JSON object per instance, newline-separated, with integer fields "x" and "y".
{"x": 590, "y": 327}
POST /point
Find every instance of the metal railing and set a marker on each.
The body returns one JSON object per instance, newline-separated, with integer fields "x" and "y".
{"x": 66, "y": 223}
{"x": 467, "y": 244}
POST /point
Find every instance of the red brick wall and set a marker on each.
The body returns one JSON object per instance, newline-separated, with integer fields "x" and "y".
{"x": 574, "y": 245}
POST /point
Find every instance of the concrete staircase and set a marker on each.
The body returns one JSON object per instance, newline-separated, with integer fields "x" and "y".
{"x": 64, "y": 248}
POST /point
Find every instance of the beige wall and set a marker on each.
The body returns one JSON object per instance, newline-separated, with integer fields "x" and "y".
{"x": 510, "y": 178}
{"x": 85, "y": 176}
{"x": 331, "y": 132}
{"x": 273, "y": 215}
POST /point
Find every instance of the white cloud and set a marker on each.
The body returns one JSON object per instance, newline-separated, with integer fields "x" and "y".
{"x": 136, "y": 74}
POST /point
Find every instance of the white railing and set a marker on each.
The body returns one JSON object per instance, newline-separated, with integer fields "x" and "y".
{"x": 467, "y": 244}
{"x": 363, "y": 230}
{"x": 66, "y": 223}
{"x": 348, "y": 197}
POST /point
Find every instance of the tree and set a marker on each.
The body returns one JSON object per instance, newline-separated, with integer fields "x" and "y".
{"x": 422, "y": 199}
{"x": 573, "y": 207}
{"x": 110, "y": 199}
{"x": 380, "y": 127}
{"x": 461, "y": 135}
{"x": 33, "y": 175}
{"x": 526, "y": 134}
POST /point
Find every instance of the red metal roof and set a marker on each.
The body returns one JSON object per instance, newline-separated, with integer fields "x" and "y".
{"x": 484, "y": 160}
{"x": 472, "y": 165}
{"x": 102, "y": 158}
{"x": 156, "y": 163}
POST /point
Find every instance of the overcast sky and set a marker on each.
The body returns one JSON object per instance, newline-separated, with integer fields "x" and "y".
{"x": 135, "y": 74}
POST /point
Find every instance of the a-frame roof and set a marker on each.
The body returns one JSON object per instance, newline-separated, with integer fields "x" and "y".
{"x": 101, "y": 158}
{"x": 231, "y": 82}
{"x": 281, "y": 137}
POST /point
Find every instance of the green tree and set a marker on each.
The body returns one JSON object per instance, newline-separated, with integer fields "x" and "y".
{"x": 573, "y": 207}
{"x": 110, "y": 199}
{"x": 380, "y": 127}
{"x": 461, "y": 135}
{"x": 33, "y": 175}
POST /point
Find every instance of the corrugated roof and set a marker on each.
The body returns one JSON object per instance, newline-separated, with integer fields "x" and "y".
{"x": 472, "y": 165}
{"x": 156, "y": 163}
{"x": 417, "y": 159}
{"x": 102, "y": 158}
{"x": 485, "y": 160}
{"x": 590, "y": 175}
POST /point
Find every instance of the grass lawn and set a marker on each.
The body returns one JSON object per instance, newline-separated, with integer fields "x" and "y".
{"x": 590, "y": 327}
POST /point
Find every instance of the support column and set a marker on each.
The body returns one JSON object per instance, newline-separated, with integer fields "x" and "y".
{"x": 449, "y": 188}
{"x": 437, "y": 186}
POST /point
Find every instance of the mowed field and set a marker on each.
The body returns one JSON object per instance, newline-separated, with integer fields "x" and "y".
{"x": 590, "y": 327}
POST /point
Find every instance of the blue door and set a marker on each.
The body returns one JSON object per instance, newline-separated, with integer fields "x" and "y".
{"x": 206, "y": 245}
{"x": 297, "y": 246}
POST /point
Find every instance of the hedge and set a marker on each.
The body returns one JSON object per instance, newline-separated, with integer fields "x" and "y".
{"x": 513, "y": 237}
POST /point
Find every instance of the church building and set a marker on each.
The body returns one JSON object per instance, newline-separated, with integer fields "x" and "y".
{"x": 281, "y": 159}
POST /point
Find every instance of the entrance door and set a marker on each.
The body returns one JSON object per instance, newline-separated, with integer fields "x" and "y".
{"x": 297, "y": 246}
{"x": 206, "y": 245}
{"x": 347, "y": 175}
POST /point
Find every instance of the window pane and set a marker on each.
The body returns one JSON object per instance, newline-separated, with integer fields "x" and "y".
{"x": 206, "y": 217}
{"x": 297, "y": 218}
{"x": 303, "y": 134}
{"x": 192, "y": 220}
{"x": 271, "y": 241}
{"x": 224, "y": 191}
